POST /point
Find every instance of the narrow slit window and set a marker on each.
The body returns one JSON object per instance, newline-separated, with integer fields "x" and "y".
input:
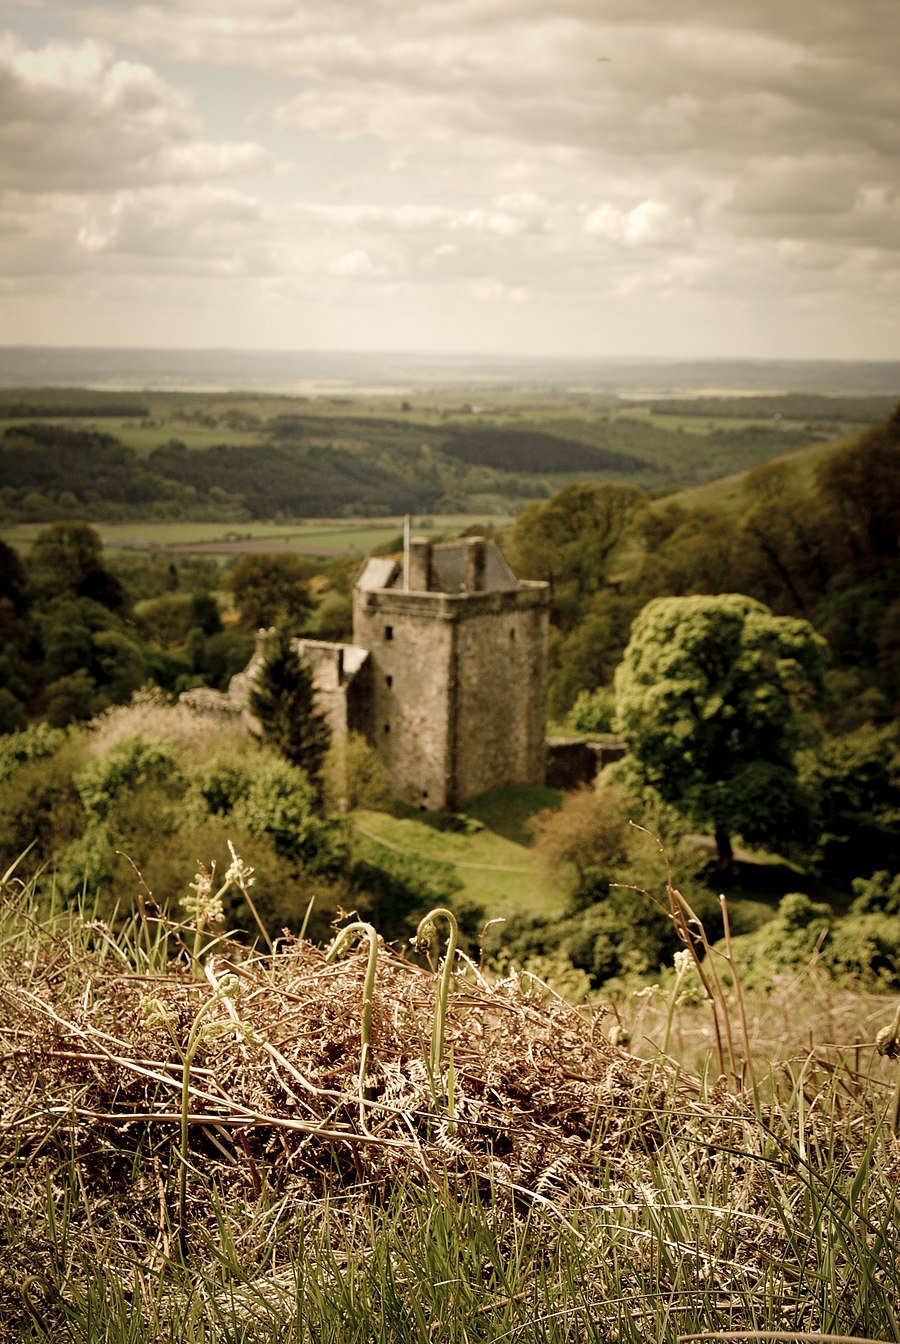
{"x": 389, "y": 632}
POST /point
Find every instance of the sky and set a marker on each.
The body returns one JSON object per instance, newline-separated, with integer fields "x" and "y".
{"x": 671, "y": 178}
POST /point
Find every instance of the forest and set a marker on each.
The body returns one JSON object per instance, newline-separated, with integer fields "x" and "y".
{"x": 72, "y": 454}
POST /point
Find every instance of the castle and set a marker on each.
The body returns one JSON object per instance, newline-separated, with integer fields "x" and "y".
{"x": 446, "y": 675}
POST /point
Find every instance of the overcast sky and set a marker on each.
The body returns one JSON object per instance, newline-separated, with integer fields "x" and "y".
{"x": 600, "y": 177}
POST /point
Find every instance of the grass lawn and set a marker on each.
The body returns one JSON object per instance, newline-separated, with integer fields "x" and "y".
{"x": 490, "y": 857}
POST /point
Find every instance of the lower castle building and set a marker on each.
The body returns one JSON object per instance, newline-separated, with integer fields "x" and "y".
{"x": 446, "y": 675}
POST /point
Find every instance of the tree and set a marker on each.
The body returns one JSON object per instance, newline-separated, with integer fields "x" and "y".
{"x": 570, "y": 540}
{"x": 589, "y": 830}
{"x": 271, "y": 590}
{"x": 709, "y": 695}
{"x": 67, "y": 559}
{"x": 284, "y": 702}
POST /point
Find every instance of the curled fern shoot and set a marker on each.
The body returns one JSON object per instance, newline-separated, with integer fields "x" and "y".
{"x": 340, "y": 945}
{"x": 422, "y": 941}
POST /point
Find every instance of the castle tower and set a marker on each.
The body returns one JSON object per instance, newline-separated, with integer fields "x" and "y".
{"x": 457, "y": 665}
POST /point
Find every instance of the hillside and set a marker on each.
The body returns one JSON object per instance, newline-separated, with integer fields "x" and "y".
{"x": 67, "y": 453}
{"x": 727, "y": 493}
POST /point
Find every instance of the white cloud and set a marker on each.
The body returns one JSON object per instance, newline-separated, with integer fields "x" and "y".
{"x": 73, "y": 117}
{"x": 356, "y": 264}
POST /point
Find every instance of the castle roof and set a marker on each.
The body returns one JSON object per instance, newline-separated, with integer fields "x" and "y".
{"x": 446, "y": 569}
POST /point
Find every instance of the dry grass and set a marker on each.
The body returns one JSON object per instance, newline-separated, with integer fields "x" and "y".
{"x": 168, "y": 1112}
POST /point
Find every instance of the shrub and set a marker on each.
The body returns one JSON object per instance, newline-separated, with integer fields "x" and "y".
{"x": 354, "y": 775}
{"x": 593, "y": 711}
{"x": 129, "y": 764}
{"x": 40, "y": 807}
{"x": 36, "y": 742}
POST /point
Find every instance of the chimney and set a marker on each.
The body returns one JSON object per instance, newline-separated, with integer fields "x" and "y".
{"x": 475, "y": 564}
{"x": 420, "y": 565}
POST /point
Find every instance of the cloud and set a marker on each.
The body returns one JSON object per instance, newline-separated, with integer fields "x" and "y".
{"x": 72, "y": 117}
{"x": 649, "y": 224}
{"x": 705, "y": 159}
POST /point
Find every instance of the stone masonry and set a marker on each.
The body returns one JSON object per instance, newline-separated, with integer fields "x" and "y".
{"x": 457, "y": 671}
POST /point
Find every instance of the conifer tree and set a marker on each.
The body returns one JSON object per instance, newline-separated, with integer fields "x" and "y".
{"x": 284, "y": 703}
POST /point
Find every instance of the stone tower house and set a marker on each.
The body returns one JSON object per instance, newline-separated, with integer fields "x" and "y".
{"x": 446, "y": 675}
{"x": 453, "y": 693}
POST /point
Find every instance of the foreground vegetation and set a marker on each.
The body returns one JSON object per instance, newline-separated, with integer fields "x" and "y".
{"x": 200, "y": 1142}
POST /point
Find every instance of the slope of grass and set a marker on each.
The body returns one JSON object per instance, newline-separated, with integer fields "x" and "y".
{"x": 485, "y": 848}
{"x": 727, "y": 492}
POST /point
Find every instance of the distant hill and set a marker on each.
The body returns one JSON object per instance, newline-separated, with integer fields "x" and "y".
{"x": 107, "y": 456}
{"x": 506, "y": 448}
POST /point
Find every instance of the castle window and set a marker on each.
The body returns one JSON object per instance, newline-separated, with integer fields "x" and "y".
{"x": 389, "y": 681}
{"x": 389, "y": 632}
{"x": 512, "y": 633}
{"x": 387, "y": 727}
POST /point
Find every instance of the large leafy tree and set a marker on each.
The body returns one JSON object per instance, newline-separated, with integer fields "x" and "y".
{"x": 709, "y": 695}
{"x": 67, "y": 560}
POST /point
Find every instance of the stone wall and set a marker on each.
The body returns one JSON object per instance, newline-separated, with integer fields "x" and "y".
{"x": 501, "y": 692}
{"x": 458, "y": 689}
{"x": 410, "y": 643}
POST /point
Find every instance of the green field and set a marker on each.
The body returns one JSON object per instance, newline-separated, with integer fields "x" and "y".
{"x": 316, "y": 537}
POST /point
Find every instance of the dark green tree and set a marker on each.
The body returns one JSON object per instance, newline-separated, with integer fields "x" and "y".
{"x": 271, "y": 590}
{"x": 709, "y": 696}
{"x": 570, "y": 540}
{"x": 67, "y": 560}
{"x": 284, "y": 703}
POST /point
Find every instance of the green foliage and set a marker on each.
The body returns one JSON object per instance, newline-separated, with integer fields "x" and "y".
{"x": 67, "y": 560}
{"x": 271, "y": 590}
{"x": 215, "y": 659}
{"x": 71, "y": 698}
{"x": 131, "y": 763}
{"x": 853, "y": 786}
{"x": 40, "y": 806}
{"x": 333, "y": 617}
{"x": 354, "y": 775}
{"x": 509, "y": 448}
{"x": 590, "y": 830}
{"x": 165, "y": 619}
{"x": 13, "y": 583}
{"x": 283, "y": 702}
{"x": 616, "y": 927}
{"x": 12, "y": 712}
{"x": 862, "y": 949}
{"x": 709, "y": 695}
{"x": 878, "y": 894}
{"x": 593, "y": 711}
{"x": 266, "y": 796}
{"x": 570, "y": 539}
